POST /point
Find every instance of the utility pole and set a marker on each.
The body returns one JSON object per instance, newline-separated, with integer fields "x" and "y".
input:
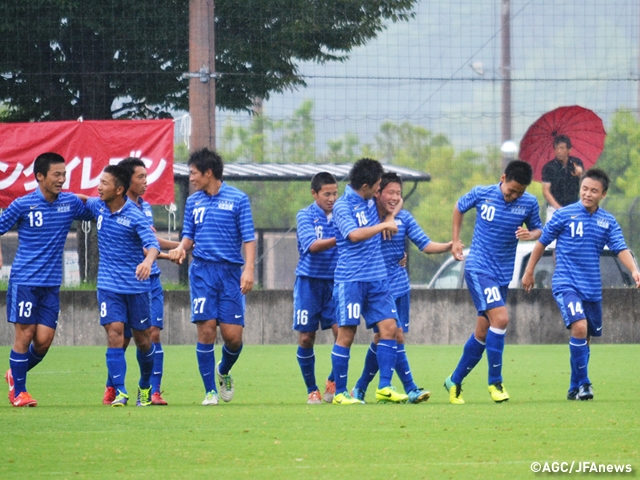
{"x": 505, "y": 70}
{"x": 202, "y": 65}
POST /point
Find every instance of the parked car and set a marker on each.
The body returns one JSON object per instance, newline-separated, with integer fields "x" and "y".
{"x": 614, "y": 274}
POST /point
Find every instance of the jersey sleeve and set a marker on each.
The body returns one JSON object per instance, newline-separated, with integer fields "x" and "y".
{"x": 344, "y": 222}
{"x": 552, "y": 228}
{"x": 245, "y": 220}
{"x": 81, "y": 212}
{"x": 10, "y": 216}
{"x": 468, "y": 200}
{"x": 146, "y": 234}
{"x": 616, "y": 242}
{"x": 188, "y": 226}
{"x": 533, "y": 221}
{"x": 92, "y": 205}
{"x": 415, "y": 233}
{"x": 305, "y": 231}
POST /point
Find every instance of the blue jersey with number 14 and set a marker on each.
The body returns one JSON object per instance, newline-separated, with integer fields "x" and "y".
{"x": 581, "y": 237}
{"x": 494, "y": 243}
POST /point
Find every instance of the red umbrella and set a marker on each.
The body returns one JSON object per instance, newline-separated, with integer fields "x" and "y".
{"x": 582, "y": 126}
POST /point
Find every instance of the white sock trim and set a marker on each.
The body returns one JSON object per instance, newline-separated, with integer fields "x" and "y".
{"x": 498, "y": 331}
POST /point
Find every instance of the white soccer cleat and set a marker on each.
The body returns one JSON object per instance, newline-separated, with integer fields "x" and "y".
{"x": 225, "y": 385}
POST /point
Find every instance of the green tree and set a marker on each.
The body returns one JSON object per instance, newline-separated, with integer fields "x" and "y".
{"x": 62, "y": 59}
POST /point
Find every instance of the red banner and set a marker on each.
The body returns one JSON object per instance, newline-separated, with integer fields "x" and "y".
{"x": 87, "y": 147}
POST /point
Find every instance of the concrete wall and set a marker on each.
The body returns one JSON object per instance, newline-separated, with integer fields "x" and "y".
{"x": 437, "y": 317}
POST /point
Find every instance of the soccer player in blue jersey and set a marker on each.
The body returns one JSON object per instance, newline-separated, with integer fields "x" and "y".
{"x": 43, "y": 218}
{"x": 128, "y": 249}
{"x": 218, "y": 221}
{"x": 582, "y": 231}
{"x": 393, "y": 251}
{"x": 313, "y": 305}
{"x": 501, "y": 211}
{"x": 138, "y": 176}
{"x": 360, "y": 281}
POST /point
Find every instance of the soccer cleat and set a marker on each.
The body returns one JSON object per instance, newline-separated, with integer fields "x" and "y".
{"x": 156, "y": 399}
{"x": 498, "y": 392}
{"x": 109, "y": 396}
{"x": 345, "y": 399}
{"x": 225, "y": 382}
{"x": 9, "y": 378}
{"x": 419, "y": 395}
{"x": 455, "y": 391}
{"x": 314, "y": 398}
{"x": 144, "y": 397}
{"x": 211, "y": 398}
{"x": 24, "y": 400}
{"x": 358, "y": 394}
{"x": 390, "y": 395}
{"x": 572, "y": 394}
{"x": 120, "y": 400}
{"x": 585, "y": 392}
{"x": 329, "y": 391}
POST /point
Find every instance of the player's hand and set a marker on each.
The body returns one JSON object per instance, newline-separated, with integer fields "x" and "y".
{"x": 390, "y": 229}
{"x": 246, "y": 281}
{"x": 177, "y": 255}
{"x": 456, "y": 250}
{"x": 523, "y": 233}
{"x": 403, "y": 262}
{"x": 635, "y": 275}
{"x": 527, "y": 281}
{"x": 143, "y": 271}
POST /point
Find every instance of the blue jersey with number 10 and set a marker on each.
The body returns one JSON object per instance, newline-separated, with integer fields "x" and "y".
{"x": 357, "y": 261}
{"x": 581, "y": 237}
{"x": 494, "y": 243}
{"x": 42, "y": 231}
{"x": 219, "y": 224}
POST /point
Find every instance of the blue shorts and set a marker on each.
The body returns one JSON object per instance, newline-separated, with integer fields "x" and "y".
{"x": 132, "y": 309}
{"x": 156, "y": 300}
{"x": 215, "y": 292}
{"x": 573, "y": 309}
{"x": 403, "y": 304}
{"x": 372, "y": 300}
{"x": 485, "y": 291}
{"x": 313, "y": 305}
{"x": 33, "y": 305}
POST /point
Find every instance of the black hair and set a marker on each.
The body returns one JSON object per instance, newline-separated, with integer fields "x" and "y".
{"x": 121, "y": 176}
{"x": 518, "y": 171}
{"x": 130, "y": 164}
{"x": 599, "y": 175}
{"x": 390, "y": 177}
{"x": 44, "y": 161}
{"x": 558, "y": 139}
{"x": 321, "y": 179}
{"x": 365, "y": 172}
{"x": 205, "y": 159}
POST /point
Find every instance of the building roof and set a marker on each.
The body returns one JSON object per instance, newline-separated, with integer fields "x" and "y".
{"x": 281, "y": 172}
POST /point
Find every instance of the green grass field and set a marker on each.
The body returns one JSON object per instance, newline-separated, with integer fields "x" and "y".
{"x": 268, "y": 431}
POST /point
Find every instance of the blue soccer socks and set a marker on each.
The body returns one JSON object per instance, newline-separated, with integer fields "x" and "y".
{"x": 471, "y": 355}
{"x": 579, "y": 350}
{"x": 229, "y": 357}
{"x": 145, "y": 361}
{"x": 19, "y": 363}
{"x": 495, "y": 349}
{"x": 158, "y": 368}
{"x": 34, "y": 357}
{"x": 403, "y": 370}
{"x": 387, "y": 355}
{"x": 307, "y": 362}
{"x": 206, "y": 364}
{"x": 370, "y": 368}
{"x": 117, "y": 368}
{"x": 340, "y": 362}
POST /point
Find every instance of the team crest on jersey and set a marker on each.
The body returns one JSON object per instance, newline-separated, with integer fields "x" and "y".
{"x": 603, "y": 223}
{"x": 225, "y": 205}
{"x": 124, "y": 221}
{"x": 370, "y": 203}
{"x": 398, "y": 221}
{"x": 63, "y": 208}
{"x": 518, "y": 210}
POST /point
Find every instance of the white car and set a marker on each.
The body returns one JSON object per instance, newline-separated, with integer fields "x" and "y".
{"x": 614, "y": 274}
